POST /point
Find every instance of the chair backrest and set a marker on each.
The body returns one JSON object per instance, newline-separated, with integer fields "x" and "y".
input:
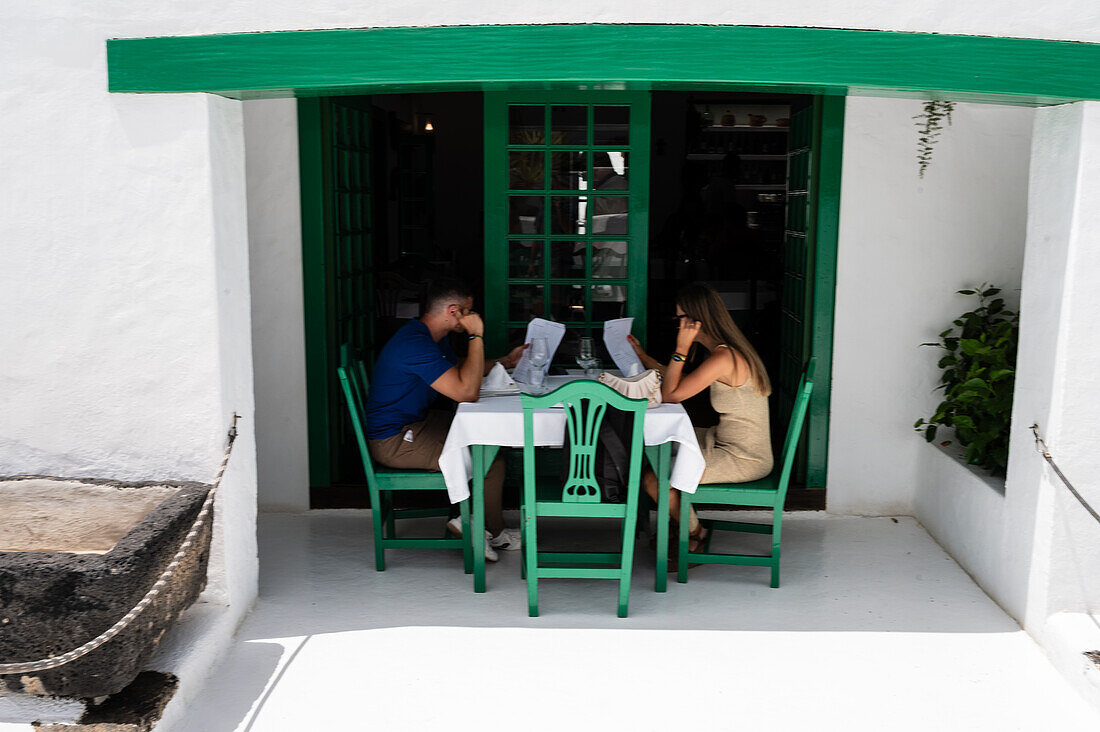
{"x": 353, "y": 382}
{"x": 798, "y": 418}
{"x": 585, "y": 404}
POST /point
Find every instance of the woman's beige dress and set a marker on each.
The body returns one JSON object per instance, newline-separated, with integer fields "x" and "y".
{"x": 739, "y": 448}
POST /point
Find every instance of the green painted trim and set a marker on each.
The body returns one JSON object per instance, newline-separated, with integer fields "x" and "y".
{"x": 637, "y": 265}
{"x": 828, "y": 149}
{"x": 602, "y": 56}
{"x": 495, "y": 180}
{"x": 311, "y": 162}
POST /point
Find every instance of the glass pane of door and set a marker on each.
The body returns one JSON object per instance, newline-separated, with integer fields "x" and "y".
{"x": 566, "y": 211}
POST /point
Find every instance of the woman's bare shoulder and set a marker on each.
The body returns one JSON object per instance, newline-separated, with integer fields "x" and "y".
{"x": 733, "y": 363}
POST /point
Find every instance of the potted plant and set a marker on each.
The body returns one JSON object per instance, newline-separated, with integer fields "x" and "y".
{"x": 979, "y": 372}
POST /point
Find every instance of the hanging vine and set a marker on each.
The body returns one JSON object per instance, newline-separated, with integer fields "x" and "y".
{"x": 930, "y": 123}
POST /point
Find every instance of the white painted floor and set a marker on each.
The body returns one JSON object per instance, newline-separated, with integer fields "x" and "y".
{"x": 873, "y": 628}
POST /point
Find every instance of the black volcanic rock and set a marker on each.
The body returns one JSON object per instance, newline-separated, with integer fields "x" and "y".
{"x": 53, "y": 602}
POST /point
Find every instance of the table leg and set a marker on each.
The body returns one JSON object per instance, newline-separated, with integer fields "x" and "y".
{"x": 477, "y": 517}
{"x": 660, "y": 459}
{"x": 663, "y": 469}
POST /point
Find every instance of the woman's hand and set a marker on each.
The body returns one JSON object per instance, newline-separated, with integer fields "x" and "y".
{"x": 689, "y": 331}
{"x": 648, "y": 361}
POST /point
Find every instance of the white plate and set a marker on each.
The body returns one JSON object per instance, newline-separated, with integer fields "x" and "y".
{"x": 510, "y": 391}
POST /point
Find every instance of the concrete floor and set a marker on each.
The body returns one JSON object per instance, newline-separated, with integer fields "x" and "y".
{"x": 873, "y": 628}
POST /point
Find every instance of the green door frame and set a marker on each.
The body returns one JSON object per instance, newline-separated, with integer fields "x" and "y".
{"x": 826, "y": 63}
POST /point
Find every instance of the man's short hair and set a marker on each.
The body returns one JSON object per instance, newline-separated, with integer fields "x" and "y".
{"x": 445, "y": 292}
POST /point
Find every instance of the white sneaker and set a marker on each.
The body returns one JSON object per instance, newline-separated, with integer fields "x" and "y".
{"x": 455, "y": 527}
{"x": 507, "y": 540}
{"x": 490, "y": 553}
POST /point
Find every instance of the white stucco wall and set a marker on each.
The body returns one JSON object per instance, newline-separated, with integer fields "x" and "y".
{"x": 1034, "y": 548}
{"x": 1058, "y": 382}
{"x": 906, "y": 245}
{"x": 278, "y": 336}
{"x": 125, "y": 324}
{"x": 124, "y": 312}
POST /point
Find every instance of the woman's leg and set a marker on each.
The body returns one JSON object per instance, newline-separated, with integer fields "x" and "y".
{"x": 650, "y": 484}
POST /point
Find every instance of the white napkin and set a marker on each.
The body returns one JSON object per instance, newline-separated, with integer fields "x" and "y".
{"x": 498, "y": 379}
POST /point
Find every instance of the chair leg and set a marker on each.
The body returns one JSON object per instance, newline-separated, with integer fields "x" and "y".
{"x": 530, "y": 553}
{"x": 390, "y": 515}
{"x": 467, "y": 547}
{"x": 777, "y": 528}
{"x": 523, "y": 541}
{"x": 684, "y": 536}
{"x": 376, "y": 523}
{"x": 626, "y": 568}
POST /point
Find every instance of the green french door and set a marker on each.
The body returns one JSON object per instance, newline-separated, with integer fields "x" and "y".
{"x": 338, "y": 208}
{"x": 809, "y": 275}
{"x": 566, "y": 212}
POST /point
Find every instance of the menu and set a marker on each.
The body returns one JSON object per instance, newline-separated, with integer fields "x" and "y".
{"x": 539, "y": 328}
{"x": 615, "y": 334}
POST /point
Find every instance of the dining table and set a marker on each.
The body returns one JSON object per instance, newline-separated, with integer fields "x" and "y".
{"x": 481, "y": 428}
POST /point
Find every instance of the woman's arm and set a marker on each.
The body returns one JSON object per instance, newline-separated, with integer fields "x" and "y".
{"x": 676, "y": 388}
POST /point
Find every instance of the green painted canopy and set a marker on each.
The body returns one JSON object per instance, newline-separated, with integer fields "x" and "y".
{"x": 634, "y": 57}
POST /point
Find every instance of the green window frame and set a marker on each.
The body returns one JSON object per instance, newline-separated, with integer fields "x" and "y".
{"x": 541, "y": 155}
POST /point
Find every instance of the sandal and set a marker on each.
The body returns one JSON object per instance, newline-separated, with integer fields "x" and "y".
{"x": 697, "y": 539}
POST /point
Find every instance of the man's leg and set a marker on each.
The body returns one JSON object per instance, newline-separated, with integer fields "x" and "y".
{"x": 494, "y": 488}
{"x": 417, "y": 445}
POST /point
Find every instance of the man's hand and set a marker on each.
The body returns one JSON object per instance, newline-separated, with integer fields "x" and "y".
{"x": 510, "y": 361}
{"x": 472, "y": 324}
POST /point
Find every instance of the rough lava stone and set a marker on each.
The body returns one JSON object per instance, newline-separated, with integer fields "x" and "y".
{"x": 53, "y": 602}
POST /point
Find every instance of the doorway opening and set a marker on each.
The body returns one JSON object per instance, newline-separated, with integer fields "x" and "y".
{"x": 718, "y": 191}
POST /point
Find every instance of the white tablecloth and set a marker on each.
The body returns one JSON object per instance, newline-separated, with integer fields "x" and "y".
{"x": 499, "y": 421}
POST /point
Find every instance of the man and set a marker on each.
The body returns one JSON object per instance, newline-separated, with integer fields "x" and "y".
{"x": 414, "y": 368}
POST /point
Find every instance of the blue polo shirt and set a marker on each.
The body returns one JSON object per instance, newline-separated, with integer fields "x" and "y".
{"x": 400, "y": 387}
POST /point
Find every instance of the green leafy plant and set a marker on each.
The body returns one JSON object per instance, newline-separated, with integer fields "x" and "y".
{"x": 979, "y": 371}
{"x": 930, "y": 124}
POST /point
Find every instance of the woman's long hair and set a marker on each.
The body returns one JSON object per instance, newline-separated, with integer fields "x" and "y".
{"x": 699, "y": 301}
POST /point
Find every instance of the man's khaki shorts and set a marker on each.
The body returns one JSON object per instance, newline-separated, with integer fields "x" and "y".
{"x": 417, "y": 445}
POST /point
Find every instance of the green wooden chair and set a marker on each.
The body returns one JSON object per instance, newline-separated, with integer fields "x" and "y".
{"x": 585, "y": 404}
{"x": 382, "y": 481}
{"x": 769, "y": 492}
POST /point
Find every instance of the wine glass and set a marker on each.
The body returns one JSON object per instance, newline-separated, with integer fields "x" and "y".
{"x": 585, "y": 357}
{"x": 539, "y": 356}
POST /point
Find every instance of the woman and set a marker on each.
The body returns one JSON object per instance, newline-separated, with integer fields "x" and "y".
{"x": 738, "y": 448}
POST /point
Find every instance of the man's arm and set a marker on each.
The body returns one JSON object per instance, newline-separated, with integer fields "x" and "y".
{"x": 463, "y": 382}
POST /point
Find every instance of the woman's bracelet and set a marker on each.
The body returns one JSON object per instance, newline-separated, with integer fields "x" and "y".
{"x": 473, "y": 336}
{"x": 679, "y": 357}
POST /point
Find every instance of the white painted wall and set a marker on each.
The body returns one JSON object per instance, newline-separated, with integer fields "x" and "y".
{"x": 1059, "y": 383}
{"x": 124, "y": 307}
{"x": 1035, "y": 549}
{"x": 906, "y": 244}
{"x": 1067, "y": 20}
{"x": 278, "y": 335}
{"x": 125, "y": 331}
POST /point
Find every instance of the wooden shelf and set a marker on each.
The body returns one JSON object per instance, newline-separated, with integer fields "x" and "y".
{"x": 720, "y": 156}
{"x": 747, "y": 128}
